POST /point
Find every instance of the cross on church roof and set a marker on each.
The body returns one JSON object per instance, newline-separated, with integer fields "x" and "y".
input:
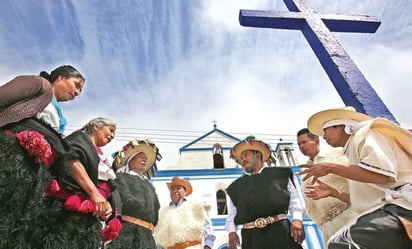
{"x": 347, "y": 79}
{"x": 214, "y": 124}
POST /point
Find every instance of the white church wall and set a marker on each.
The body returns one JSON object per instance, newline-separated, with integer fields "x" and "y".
{"x": 202, "y": 159}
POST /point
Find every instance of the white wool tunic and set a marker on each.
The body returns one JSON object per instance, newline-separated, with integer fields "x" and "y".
{"x": 330, "y": 213}
{"x": 182, "y": 224}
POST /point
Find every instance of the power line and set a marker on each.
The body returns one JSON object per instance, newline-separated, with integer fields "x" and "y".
{"x": 181, "y": 137}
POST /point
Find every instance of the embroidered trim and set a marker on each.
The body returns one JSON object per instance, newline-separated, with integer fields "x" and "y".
{"x": 376, "y": 167}
{"x": 36, "y": 145}
{"x": 334, "y": 211}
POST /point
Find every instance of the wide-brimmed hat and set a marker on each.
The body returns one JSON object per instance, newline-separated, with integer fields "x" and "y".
{"x": 401, "y": 136}
{"x": 177, "y": 181}
{"x": 317, "y": 120}
{"x": 134, "y": 147}
{"x": 29, "y": 106}
{"x": 250, "y": 143}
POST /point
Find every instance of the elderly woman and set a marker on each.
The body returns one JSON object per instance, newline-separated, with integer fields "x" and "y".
{"x": 140, "y": 204}
{"x": 31, "y": 148}
{"x": 78, "y": 200}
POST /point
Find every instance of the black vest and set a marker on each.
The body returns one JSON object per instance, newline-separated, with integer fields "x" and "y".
{"x": 261, "y": 195}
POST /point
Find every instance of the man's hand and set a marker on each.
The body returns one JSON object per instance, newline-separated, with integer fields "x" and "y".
{"x": 319, "y": 191}
{"x": 297, "y": 232}
{"x": 234, "y": 241}
{"x": 314, "y": 170}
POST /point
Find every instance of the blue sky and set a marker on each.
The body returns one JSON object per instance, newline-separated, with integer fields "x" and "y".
{"x": 173, "y": 66}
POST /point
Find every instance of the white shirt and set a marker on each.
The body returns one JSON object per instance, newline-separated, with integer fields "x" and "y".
{"x": 50, "y": 116}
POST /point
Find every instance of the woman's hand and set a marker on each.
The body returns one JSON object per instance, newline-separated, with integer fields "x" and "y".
{"x": 103, "y": 209}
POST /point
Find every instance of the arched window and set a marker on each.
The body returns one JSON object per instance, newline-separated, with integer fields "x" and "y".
{"x": 218, "y": 162}
{"x": 221, "y": 202}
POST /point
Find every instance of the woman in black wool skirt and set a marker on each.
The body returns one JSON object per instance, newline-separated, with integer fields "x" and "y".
{"x": 139, "y": 202}
{"x": 31, "y": 149}
{"x": 78, "y": 201}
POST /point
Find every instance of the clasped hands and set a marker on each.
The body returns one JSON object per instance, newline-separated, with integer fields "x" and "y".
{"x": 103, "y": 209}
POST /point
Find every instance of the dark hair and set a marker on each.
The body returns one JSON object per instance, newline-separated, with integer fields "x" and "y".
{"x": 66, "y": 71}
{"x": 307, "y": 132}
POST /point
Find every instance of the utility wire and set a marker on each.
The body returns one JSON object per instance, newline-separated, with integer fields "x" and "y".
{"x": 182, "y": 137}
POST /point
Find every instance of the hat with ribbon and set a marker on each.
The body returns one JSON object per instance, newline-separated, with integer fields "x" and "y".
{"x": 250, "y": 143}
{"x": 23, "y": 97}
{"x": 134, "y": 147}
{"x": 337, "y": 116}
{"x": 178, "y": 181}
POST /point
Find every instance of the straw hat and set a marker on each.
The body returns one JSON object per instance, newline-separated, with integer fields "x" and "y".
{"x": 122, "y": 157}
{"x": 401, "y": 136}
{"x": 250, "y": 143}
{"x": 317, "y": 120}
{"x": 177, "y": 181}
{"x": 30, "y": 105}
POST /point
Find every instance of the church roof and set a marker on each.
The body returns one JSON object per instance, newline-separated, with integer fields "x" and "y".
{"x": 207, "y": 140}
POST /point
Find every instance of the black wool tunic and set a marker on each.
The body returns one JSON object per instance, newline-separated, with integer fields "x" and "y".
{"x": 138, "y": 199}
{"x": 72, "y": 229}
{"x": 262, "y": 195}
{"x": 22, "y": 184}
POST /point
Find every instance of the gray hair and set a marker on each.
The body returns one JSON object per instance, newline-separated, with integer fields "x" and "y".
{"x": 100, "y": 122}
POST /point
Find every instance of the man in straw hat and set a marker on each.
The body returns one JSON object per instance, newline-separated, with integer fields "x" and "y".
{"x": 188, "y": 219}
{"x": 139, "y": 203}
{"x": 380, "y": 160}
{"x": 260, "y": 200}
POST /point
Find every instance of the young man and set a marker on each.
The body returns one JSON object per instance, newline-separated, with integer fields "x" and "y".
{"x": 380, "y": 160}
{"x": 260, "y": 201}
{"x": 327, "y": 201}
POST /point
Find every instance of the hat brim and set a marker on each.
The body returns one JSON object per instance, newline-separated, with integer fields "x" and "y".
{"x": 401, "y": 136}
{"x": 254, "y": 145}
{"x": 317, "y": 120}
{"x": 181, "y": 182}
{"x": 144, "y": 148}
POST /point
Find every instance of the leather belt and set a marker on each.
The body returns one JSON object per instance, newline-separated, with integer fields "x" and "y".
{"x": 184, "y": 245}
{"x": 138, "y": 222}
{"x": 263, "y": 222}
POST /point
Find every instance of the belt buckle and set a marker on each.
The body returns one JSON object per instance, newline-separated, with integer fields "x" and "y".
{"x": 261, "y": 223}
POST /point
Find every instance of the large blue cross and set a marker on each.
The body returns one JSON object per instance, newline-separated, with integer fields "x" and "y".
{"x": 348, "y": 80}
